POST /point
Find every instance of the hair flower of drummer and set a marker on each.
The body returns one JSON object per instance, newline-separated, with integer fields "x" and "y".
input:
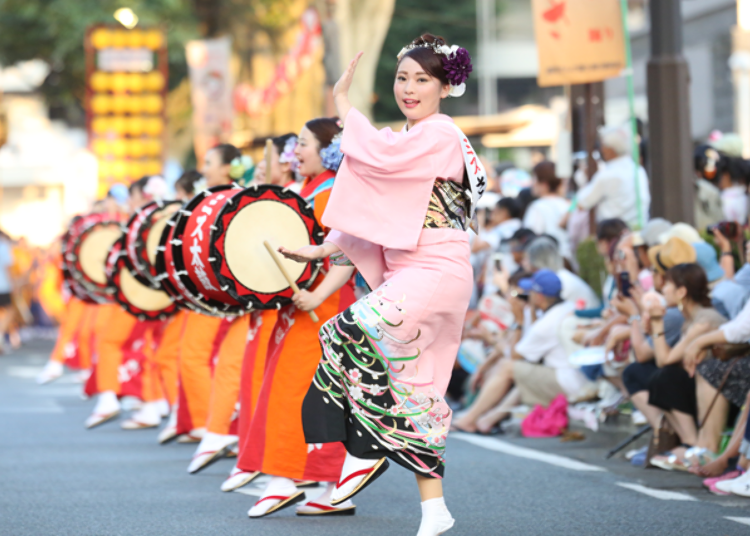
{"x": 287, "y": 155}
{"x": 156, "y": 188}
{"x": 238, "y": 166}
{"x": 332, "y": 155}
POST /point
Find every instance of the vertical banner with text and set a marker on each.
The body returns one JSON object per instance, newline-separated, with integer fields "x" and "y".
{"x": 579, "y": 41}
{"x": 211, "y": 92}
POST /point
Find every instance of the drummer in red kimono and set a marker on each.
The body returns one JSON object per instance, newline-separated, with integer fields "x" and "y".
{"x": 275, "y": 443}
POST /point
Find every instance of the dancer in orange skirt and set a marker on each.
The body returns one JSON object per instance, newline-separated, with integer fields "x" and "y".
{"x": 204, "y": 334}
{"x": 262, "y": 325}
{"x": 275, "y": 443}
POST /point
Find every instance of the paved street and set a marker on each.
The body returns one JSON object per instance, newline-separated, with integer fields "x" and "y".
{"x": 59, "y": 479}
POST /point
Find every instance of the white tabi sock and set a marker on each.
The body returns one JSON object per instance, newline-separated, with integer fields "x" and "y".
{"x": 436, "y": 519}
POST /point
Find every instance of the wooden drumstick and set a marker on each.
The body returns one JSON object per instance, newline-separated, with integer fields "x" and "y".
{"x": 288, "y": 278}
{"x": 269, "y": 149}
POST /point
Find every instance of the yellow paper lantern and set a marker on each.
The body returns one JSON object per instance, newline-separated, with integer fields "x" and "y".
{"x": 136, "y": 125}
{"x": 101, "y": 38}
{"x": 152, "y": 103}
{"x": 105, "y": 168}
{"x": 119, "y": 125}
{"x": 100, "y": 147}
{"x": 119, "y": 169}
{"x": 102, "y": 189}
{"x": 136, "y": 168}
{"x": 120, "y": 104}
{"x": 137, "y": 148}
{"x": 154, "y": 81}
{"x": 119, "y": 82}
{"x": 154, "y": 126}
{"x": 135, "y": 38}
{"x": 153, "y": 39}
{"x": 119, "y": 38}
{"x": 152, "y": 167}
{"x": 99, "y": 81}
{"x": 100, "y": 104}
{"x": 153, "y": 147}
{"x": 120, "y": 148}
{"x": 100, "y": 125}
{"x": 135, "y": 106}
{"x": 136, "y": 82}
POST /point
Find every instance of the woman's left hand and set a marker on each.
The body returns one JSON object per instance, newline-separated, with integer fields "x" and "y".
{"x": 303, "y": 254}
{"x": 341, "y": 89}
{"x": 306, "y": 300}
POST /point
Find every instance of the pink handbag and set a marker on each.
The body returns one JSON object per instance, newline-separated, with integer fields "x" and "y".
{"x": 547, "y": 422}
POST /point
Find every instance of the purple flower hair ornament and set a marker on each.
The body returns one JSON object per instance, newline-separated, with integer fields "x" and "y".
{"x": 457, "y": 66}
{"x": 332, "y": 155}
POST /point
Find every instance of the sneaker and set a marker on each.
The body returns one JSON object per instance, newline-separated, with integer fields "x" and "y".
{"x": 741, "y": 485}
{"x": 727, "y": 485}
{"x": 639, "y": 419}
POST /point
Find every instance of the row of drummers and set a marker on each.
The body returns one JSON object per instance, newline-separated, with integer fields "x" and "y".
{"x": 188, "y": 308}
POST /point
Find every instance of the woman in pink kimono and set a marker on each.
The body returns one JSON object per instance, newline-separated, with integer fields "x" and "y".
{"x": 399, "y": 212}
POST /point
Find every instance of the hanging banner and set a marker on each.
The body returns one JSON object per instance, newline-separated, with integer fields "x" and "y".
{"x": 211, "y": 92}
{"x": 579, "y": 41}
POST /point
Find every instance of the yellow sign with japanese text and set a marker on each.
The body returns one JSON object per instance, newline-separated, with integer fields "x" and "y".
{"x": 579, "y": 41}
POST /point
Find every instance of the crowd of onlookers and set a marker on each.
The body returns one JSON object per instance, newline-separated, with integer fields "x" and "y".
{"x": 581, "y": 297}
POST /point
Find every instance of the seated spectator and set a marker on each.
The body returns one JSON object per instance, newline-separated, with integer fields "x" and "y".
{"x": 538, "y": 364}
{"x": 517, "y": 244}
{"x": 542, "y": 253}
{"x": 546, "y": 214}
{"x": 671, "y": 388}
{"x": 611, "y": 191}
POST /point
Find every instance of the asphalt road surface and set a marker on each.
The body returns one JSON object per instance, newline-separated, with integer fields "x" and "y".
{"x": 58, "y": 479}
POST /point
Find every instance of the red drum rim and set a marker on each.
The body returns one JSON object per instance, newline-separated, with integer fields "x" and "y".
{"x": 168, "y": 281}
{"x": 97, "y": 291}
{"x": 190, "y": 290}
{"x": 129, "y": 291}
{"x": 132, "y": 232}
{"x": 150, "y": 230}
{"x": 230, "y": 283}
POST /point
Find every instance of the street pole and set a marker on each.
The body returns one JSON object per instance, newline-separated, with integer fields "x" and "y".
{"x": 486, "y": 12}
{"x": 739, "y": 63}
{"x": 670, "y": 146}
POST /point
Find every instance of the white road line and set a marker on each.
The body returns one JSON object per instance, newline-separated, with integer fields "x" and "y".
{"x": 743, "y": 520}
{"x": 664, "y": 495}
{"x": 23, "y": 372}
{"x": 497, "y": 445}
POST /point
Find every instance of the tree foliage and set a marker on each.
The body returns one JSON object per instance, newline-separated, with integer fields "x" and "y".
{"x": 53, "y": 30}
{"x": 455, "y": 21}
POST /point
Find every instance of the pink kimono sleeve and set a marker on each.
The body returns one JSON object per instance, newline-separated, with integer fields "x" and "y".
{"x": 366, "y": 256}
{"x": 384, "y": 184}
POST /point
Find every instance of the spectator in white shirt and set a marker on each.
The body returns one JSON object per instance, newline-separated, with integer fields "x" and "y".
{"x": 505, "y": 221}
{"x": 545, "y": 215}
{"x": 543, "y": 253}
{"x": 612, "y": 190}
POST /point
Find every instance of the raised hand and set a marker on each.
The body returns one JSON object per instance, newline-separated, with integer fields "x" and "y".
{"x": 344, "y": 83}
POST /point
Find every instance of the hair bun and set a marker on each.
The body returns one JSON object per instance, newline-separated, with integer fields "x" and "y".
{"x": 429, "y": 39}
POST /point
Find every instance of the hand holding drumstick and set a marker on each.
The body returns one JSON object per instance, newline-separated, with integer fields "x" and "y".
{"x": 310, "y": 253}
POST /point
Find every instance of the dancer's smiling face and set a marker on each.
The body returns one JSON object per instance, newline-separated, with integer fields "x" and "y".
{"x": 417, "y": 93}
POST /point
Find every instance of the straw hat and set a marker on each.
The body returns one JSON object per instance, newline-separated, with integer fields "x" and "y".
{"x": 681, "y": 230}
{"x": 675, "y": 251}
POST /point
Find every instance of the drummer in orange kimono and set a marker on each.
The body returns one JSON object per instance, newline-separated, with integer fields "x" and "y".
{"x": 276, "y": 444}
{"x": 74, "y": 346}
{"x": 283, "y": 170}
{"x": 116, "y": 332}
{"x": 204, "y": 402}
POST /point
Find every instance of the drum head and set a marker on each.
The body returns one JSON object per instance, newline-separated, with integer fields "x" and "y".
{"x": 159, "y": 222}
{"x": 240, "y": 259}
{"x": 141, "y": 296}
{"x": 138, "y": 299}
{"x": 246, "y": 255}
{"x": 94, "y": 251}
